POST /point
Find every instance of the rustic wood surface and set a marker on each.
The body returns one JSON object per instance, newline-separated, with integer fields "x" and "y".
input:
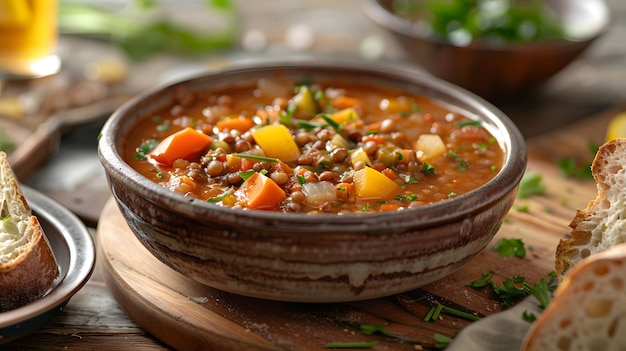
{"x": 559, "y": 121}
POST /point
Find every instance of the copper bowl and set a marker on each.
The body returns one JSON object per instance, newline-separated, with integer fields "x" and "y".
{"x": 312, "y": 258}
{"x": 498, "y": 72}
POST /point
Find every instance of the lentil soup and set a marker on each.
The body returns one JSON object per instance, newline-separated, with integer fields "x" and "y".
{"x": 313, "y": 147}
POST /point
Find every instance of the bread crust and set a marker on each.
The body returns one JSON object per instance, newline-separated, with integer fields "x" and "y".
{"x": 30, "y": 274}
{"x": 595, "y": 228}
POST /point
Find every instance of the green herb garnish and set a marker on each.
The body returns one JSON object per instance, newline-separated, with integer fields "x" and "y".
{"x": 144, "y": 149}
{"x": 510, "y": 247}
{"x": 256, "y": 157}
{"x": 351, "y": 345}
{"x": 530, "y": 185}
{"x": 468, "y": 123}
{"x": 220, "y": 197}
{"x": 442, "y": 341}
{"x": 369, "y": 329}
{"x": 428, "y": 169}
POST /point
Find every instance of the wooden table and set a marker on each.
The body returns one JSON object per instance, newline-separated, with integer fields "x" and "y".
{"x": 558, "y": 122}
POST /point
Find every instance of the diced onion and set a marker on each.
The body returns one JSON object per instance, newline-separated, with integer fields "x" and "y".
{"x": 316, "y": 193}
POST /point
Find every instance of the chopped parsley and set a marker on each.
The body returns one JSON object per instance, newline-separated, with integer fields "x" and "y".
{"x": 428, "y": 169}
{"x": 406, "y": 198}
{"x": 531, "y": 184}
{"x": 461, "y": 163}
{"x": 163, "y": 127}
{"x": 510, "y": 247}
{"x": 515, "y": 288}
{"x": 571, "y": 167}
{"x": 144, "y": 149}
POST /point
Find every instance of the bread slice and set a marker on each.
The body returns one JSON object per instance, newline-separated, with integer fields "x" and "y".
{"x": 588, "y": 311}
{"x": 28, "y": 267}
{"x": 603, "y": 223}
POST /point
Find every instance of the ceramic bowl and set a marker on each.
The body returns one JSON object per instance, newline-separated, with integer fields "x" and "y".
{"x": 321, "y": 257}
{"x": 498, "y": 72}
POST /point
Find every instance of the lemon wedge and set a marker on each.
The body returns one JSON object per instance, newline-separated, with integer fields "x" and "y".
{"x": 14, "y": 12}
{"x": 617, "y": 127}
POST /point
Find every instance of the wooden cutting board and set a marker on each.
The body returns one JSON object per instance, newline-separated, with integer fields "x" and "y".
{"x": 187, "y": 315}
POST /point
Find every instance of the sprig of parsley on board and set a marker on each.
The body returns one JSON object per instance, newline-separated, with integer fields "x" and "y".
{"x": 531, "y": 184}
{"x": 515, "y": 288}
{"x": 571, "y": 167}
{"x": 510, "y": 247}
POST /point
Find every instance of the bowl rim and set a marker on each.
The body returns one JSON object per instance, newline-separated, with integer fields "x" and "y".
{"x": 504, "y": 182}
{"x": 385, "y": 19}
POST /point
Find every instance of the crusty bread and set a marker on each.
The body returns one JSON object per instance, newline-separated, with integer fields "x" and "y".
{"x": 603, "y": 223}
{"x": 588, "y": 312}
{"x": 28, "y": 267}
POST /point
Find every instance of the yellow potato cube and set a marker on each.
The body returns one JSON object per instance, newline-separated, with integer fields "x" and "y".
{"x": 371, "y": 184}
{"x": 360, "y": 155}
{"x": 344, "y": 116}
{"x": 276, "y": 142}
{"x": 430, "y": 146}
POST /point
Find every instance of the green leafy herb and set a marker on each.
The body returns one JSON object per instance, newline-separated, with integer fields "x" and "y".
{"x": 529, "y": 316}
{"x": 369, "y": 329}
{"x": 163, "y": 127}
{"x": 435, "y": 311}
{"x": 220, "y": 197}
{"x": 144, "y": 149}
{"x": 406, "y": 198}
{"x": 461, "y": 163}
{"x": 351, "y": 345}
{"x": 485, "y": 280}
{"x": 306, "y": 125}
{"x": 530, "y": 185}
{"x": 442, "y": 341}
{"x": 519, "y": 21}
{"x": 510, "y": 247}
{"x": 570, "y": 167}
{"x": 541, "y": 291}
{"x": 410, "y": 179}
{"x": 246, "y": 174}
{"x": 331, "y": 122}
{"x": 468, "y": 123}
{"x": 256, "y": 157}
{"x": 428, "y": 169}
{"x": 301, "y": 179}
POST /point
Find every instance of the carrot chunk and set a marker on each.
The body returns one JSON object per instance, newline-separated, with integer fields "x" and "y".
{"x": 185, "y": 144}
{"x": 261, "y": 192}
{"x": 241, "y": 124}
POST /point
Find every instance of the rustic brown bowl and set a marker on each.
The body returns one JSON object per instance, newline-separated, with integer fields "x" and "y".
{"x": 502, "y": 72}
{"x": 312, "y": 258}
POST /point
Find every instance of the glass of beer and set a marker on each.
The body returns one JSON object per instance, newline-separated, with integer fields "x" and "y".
{"x": 28, "y": 38}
